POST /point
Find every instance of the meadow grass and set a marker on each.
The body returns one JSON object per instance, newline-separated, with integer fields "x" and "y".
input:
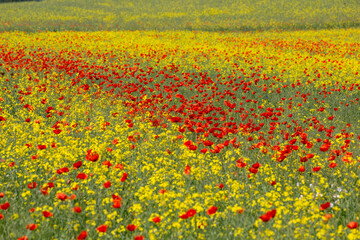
{"x": 198, "y": 15}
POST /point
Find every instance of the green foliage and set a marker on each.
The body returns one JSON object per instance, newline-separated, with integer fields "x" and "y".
{"x": 199, "y": 15}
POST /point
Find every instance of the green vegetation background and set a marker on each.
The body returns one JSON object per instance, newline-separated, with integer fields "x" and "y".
{"x": 202, "y": 15}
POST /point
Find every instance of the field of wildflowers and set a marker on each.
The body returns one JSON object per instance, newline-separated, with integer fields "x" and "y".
{"x": 178, "y": 134}
{"x": 205, "y": 15}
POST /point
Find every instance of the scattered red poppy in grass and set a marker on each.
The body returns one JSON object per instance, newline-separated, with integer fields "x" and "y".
{"x": 83, "y": 235}
{"x": 156, "y": 219}
{"x": 77, "y": 209}
{"x": 62, "y": 170}
{"x": 107, "y": 163}
{"x": 316, "y": 169}
{"x": 325, "y": 147}
{"x": 78, "y": 164}
{"x": 92, "y": 156}
{"x": 327, "y": 217}
{"x": 204, "y": 150}
{"x": 5, "y": 206}
{"x": 119, "y": 166}
{"x": 187, "y": 170}
{"x": 82, "y": 176}
{"x": 332, "y": 165}
{"x": 23, "y": 238}
{"x": 107, "y": 184}
{"x": 324, "y": 206}
{"x": 57, "y": 131}
{"x": 301, "y": 169}
{"x": 2, "y": 194}
{"x": 190, "y": 213}
{"x": 61, "y": 196}
{"x": 253, "y": 170}
{"x": 31, "y": 227}
{"x": 211, "y": 210}
{"x": 124, "y": 177}
{"x": 268, "y": 216}
{"x": 139, "y": 238}
{"x": 1, "y": 216}
{"x": 117, "y": 203}
{"x": 47, "y": 214}
{"x": 353, "y": 225}
{"x": 162, "y": 191}
{"x": 101, "y": 228}
{"x": 41, "y": 147}
{"x": 32, "y": 185}
{"x": 131, "y": 227}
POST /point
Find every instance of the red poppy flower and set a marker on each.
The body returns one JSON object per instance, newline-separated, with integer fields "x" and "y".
{"x": 82, "y": 236}
{"x": 162, "y": 191}
{"x": 2, "y": 194}
{"x": 41, "y": 147}
{"x": 31, "y": 227}
{"x": 107, "y": 184}
{"x": 204, "y": 150}
{"x": 139, "y": 238}
{"x": 117, "y": 204}
{"x": 1, "y": 216}
{"x": 119, "y": 166}
{"x": 253, "y": 170}
{"x": 353, "y": 225}
{"x": 187, "y": 170}
{"x": 324, "y": 206}
{"x": 102, "y": 228}
{"x": 107, "y": 163}
{"x": 325, "y": 147}
{"x": 327, "y": 217}
{"x": 302, "y": 169}
{"x": 57, "y": 131}
{"x": 156, "y": 219}
{"x": 32, "y": 185}
{"x": 316, "y": 169}
{"x": 268, "y": 216}
{"x": 190, "y": 213}
{"x": 124, "y": 177}
{"x": 5, "y": 206}
{"x": 61, "y": 196}
{"x": 77, "y": 164}
{"x": 256, "y": 165}
{"x": 332, "y": 165}
{"x": 62, "y": 170}
{"x": 77, "y": 209}
{"x": 23, "y": 238}
{"x": 131, "y": 227}
{"x": 47, "y": 214}
{"x": 211, "y": 210}
{"x": 82, "y": 176}
{"x": 208, "y": 143}
{"x": 92, "y": 156}
{"x": 265, "y": 218}
{"x": 221, "y": 186}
